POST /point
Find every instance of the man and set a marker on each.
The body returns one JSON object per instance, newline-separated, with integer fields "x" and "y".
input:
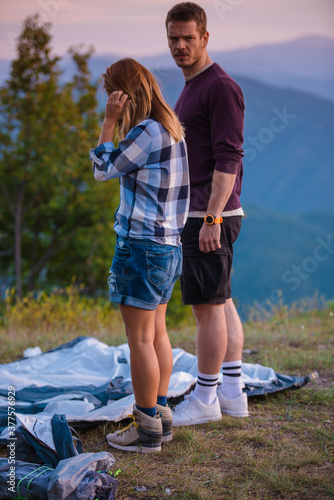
{"x": 211, "y": 108}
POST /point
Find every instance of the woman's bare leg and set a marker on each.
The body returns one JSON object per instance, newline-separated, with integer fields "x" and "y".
{"x": 163, "y": 349}
{"x": 145, "y": 371}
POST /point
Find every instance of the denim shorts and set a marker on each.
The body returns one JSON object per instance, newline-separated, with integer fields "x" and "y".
{"x": 143, "y": 272}
{"x": 206, "y": 277}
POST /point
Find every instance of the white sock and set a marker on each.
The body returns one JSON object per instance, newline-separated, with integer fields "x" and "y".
{"x": 231, "y": 386}
{"x": 206, "y": 388}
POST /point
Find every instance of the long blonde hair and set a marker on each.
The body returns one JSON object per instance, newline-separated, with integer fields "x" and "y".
{"x": 144, "y": 97}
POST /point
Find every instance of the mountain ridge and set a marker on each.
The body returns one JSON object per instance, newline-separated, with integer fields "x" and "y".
{"x": 304, "y": 63}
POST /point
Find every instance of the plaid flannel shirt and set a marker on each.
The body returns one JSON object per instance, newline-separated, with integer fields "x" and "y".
{"x": 154, "y": 182}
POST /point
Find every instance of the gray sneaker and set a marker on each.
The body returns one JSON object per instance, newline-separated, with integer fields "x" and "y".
{"x": 142, "y": 435}
{"x": 167, "y": 423}
{"x": 192, "y": 411}
{"x": 236, "y": 407}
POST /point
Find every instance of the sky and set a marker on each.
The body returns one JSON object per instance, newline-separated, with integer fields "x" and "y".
{"x": 136, "y": 27}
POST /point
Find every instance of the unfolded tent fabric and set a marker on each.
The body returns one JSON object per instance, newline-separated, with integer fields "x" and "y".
{"x": 90, "y": 382}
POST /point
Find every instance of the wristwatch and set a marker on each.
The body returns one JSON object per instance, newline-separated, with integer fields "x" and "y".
{"x": 211, "y": 219}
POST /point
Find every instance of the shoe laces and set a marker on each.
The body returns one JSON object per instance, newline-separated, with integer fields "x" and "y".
{"x": 128, "y": 427}
{"x": 183, "y": 403}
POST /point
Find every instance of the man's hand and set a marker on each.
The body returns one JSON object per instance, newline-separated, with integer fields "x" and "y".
{"x": 222, "y": 186}
{"x": 209, "y": 238}
{"x": 114, "y": 106}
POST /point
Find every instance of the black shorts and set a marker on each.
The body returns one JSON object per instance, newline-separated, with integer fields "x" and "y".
{"x": 206, "y": 277}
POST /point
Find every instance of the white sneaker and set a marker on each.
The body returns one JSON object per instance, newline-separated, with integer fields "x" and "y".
{"x": 236, "y": 407}
{"x": 192, "y": 411}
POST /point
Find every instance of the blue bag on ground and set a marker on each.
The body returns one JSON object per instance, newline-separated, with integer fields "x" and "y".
{"x": 23, "y": 480}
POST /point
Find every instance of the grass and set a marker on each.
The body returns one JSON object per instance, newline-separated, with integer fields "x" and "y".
{"x": 284, "y": 450}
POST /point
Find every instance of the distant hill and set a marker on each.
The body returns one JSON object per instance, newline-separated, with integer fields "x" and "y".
{"x": 289, "y": 149}
{"x": 305, "y": 64}
{"x": 291, "y": 254}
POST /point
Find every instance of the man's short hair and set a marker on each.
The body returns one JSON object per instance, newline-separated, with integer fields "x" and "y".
{"x": 188, "y": 11}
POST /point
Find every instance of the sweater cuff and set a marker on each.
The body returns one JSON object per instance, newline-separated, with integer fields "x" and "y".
{"x": 227, "y": 166}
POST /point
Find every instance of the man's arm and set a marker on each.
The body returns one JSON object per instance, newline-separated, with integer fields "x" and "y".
{"x": 226, "y": 115}
{"x": 222, "y": 186}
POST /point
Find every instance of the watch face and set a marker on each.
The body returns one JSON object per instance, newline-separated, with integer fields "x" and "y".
{"x": 209, "y": 219}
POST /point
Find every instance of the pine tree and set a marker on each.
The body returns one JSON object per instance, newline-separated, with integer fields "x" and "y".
{"x": 53, "y": 214}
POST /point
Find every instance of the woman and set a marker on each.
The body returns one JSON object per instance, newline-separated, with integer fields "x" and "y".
{"x": 151, "y": 164}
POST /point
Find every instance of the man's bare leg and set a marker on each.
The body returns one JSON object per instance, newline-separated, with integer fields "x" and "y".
{"x": 235, "y": 334}
{"x": 203, "y": 405}
{"x": 211, "y": 336}
{"x": 211, "y": 347}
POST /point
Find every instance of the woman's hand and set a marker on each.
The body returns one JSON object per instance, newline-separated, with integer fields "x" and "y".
{"x": 114, "y": 106}
{"x": 114, "y": 109}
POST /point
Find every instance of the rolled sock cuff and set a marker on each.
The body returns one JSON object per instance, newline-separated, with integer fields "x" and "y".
{"x": 162, "y": 400}
{"x": 151, "y": 412}
{"x": 232, "y": 385}
{"x": 205, "y": 380}
{"x": 232, "y": 369}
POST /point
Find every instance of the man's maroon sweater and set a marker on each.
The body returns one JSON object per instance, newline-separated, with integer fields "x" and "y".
{"x": 211, "y": 108}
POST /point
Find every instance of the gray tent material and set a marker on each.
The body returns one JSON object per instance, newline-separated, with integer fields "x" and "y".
{"x": 90, "y": 382}
{"x": 82, "y": 477}
{"x": 78, "y": 478}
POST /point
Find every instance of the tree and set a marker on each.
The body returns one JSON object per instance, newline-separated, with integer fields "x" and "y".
{"x": 52, "y": 211}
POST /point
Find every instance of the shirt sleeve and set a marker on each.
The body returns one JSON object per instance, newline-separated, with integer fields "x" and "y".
{"x": 132, "y": 154}
{"x": 226, "y": 112}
